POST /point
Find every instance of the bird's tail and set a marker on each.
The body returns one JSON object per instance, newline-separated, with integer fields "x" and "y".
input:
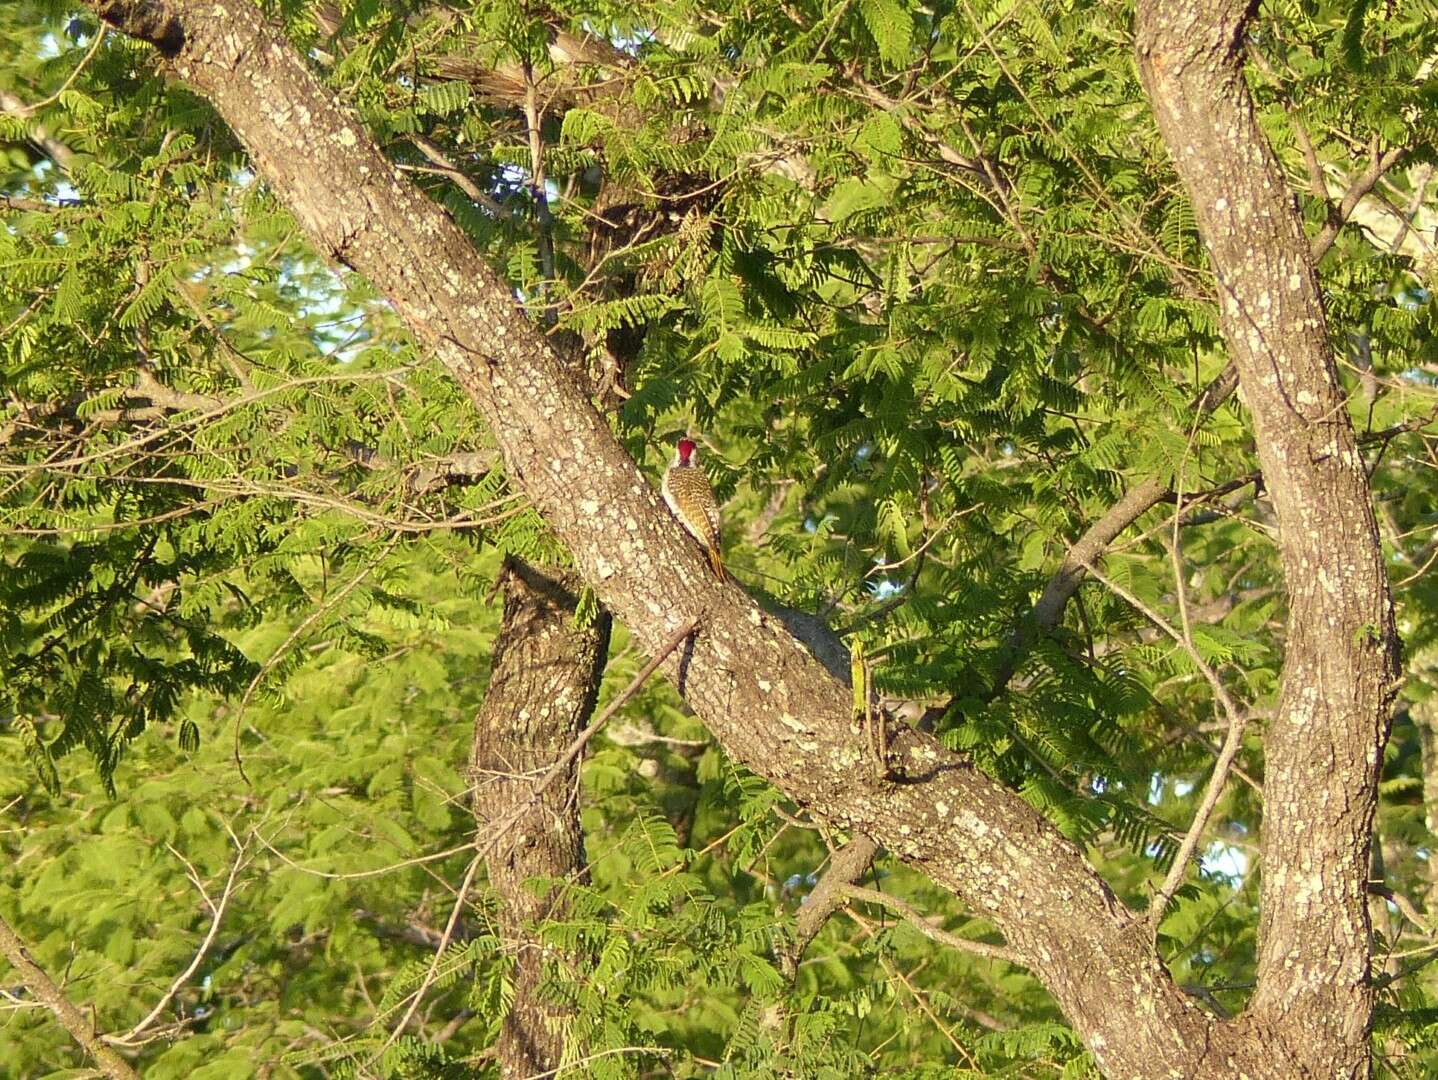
{"x": 718, "y": 563}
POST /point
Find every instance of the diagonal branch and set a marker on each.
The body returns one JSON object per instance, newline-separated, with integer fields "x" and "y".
{"x": 1358, "y": 187}
{"x": 445, "y": 167}
{"x": 53, "y": 998}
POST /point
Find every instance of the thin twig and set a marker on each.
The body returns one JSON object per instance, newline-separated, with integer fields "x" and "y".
{"x": 198, "y": 418}
{"x": 1357, "y": 189}
{"x": 883, "y": 567}
{"x": 217, "y": 909}
{"x": 544, "y": 221}
{"x": 1226, "y": 755}
{"x": 274, "y": 658}
{"x": 662, "y": 1051}
{"x": 379, "y": 871}
{"x": 894, "y": 973}
{"x": 928, "y": 1010}
{"x": 38, "y": 134}
{"x": 27, "y": 111}
{"x": 928, "y": 929}
{"x": 1428, "y": 954}
{"x": 1175, "y": 550}
{"x": 444, "y": 166}
{"x": 1405, "y": 906}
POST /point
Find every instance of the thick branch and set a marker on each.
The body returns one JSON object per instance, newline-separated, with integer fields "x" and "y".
{"x": 847, "y": 865}
{"x": 1325, "y": 741}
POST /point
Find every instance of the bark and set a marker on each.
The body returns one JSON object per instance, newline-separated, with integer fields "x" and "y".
{"x": 763, "y": 696}
{"x": 35, "y": 979}
{"x": 1324, "y": 743}
{"x": 542, "y": 688}
{"x": 1424, "y": 713}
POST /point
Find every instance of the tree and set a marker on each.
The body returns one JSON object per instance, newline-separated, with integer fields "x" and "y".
{"x": 926, "y": 282}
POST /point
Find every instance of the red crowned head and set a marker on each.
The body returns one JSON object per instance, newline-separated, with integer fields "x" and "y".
{"x": 686, "y": 451}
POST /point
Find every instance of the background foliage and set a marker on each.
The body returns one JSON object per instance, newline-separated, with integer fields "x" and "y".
{"x": 922, "y": 278}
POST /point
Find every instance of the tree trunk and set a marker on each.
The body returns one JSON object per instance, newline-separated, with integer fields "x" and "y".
{"x": 1324, "y": 744}
{"x": 543, "y": 684}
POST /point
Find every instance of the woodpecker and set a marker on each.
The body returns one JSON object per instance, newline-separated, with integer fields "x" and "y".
{"x": 686, "y": 489}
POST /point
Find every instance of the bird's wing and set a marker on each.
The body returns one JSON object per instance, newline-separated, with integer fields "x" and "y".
{"x": 711, "y": 510}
